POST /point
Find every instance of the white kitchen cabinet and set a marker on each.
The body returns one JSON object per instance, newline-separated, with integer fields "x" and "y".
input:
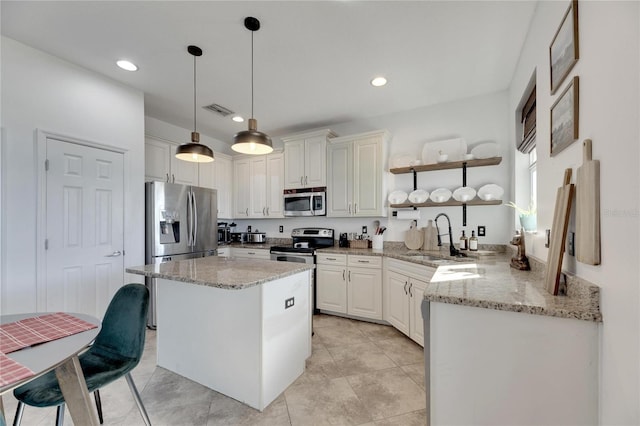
{"x": 258, "y": 186}
{"x": 355, "y": 166}
{"x": 350, "y": 285}
{"x": 160, "y": 163}
{"x": 305, "y": 163}
{"x": 249, "y": 253}
{"x": 403, "y": 292}
{"x": 218, "y": 175}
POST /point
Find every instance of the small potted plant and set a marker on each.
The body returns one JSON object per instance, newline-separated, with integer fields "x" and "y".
{"x": 527, "y": 216}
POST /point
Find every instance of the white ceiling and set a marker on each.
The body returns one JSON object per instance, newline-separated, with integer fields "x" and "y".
{"x": 313, "y": 60}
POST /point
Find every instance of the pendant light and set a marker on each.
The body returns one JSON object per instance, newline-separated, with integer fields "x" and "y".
{"x": 252, "y": 141}
{"x": 194, "y": 151}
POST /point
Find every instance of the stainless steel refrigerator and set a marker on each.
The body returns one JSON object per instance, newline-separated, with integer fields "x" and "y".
{"x": 181, "y": 223}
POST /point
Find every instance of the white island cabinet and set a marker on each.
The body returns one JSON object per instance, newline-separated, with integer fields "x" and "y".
{"x": 241, "y": 327}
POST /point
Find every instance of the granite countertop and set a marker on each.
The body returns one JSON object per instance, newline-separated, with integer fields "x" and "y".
{"x": 487, "y": 281}
{"x": 222, "y": 272}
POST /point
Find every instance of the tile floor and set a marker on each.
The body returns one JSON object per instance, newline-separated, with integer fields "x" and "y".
{"x": 359, "y": 374}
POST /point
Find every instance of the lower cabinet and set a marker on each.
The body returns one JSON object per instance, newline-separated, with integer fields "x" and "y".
{"x": 403, "y": 291}
{"x": 248, "y": 253}
{"x": 350, "y": 284}
{"x": 224, "y": 251}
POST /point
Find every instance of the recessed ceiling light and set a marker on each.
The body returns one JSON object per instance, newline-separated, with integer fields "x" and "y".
{"x": 127, "y": 65}
{"x": 237, "y": 119}
{"x": 378, "y": 81}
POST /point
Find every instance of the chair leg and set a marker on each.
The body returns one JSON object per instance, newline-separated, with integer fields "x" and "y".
{"x": 96, "y": 396}
{"x": 60, "y": 415}
{"x": 19, "y": 412}
{"x": 136, "y": 397}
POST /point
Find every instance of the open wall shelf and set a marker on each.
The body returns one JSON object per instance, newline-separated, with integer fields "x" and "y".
{"x": 493, "y": 161}
{"x": 448, "y": 204}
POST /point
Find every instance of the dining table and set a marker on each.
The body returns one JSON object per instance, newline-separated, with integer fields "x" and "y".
{"x": 60, "y": 355}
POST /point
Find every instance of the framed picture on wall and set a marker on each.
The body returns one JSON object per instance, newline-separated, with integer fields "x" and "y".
{"x": 563, "y": 52}
{"x": 564, "y": 118}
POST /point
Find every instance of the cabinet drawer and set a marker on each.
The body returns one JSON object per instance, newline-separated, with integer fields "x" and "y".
{"x": 365, "y": 261}
{"x": 331, "y": 259}
{"x": 251, "y": 253}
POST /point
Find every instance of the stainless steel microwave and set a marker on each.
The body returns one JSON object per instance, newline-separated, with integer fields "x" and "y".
{"x": 305, "y": 202}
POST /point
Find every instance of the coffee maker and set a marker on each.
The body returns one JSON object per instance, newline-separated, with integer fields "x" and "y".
{"x": 343, "y": 241}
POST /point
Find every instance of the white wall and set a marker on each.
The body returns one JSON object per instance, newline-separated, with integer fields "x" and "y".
{"x": 42, "y": 92}
{"x": 609, "y": 109}
{"x": 478, "y": 119}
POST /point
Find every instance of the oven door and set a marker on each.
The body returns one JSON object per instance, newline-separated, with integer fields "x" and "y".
{"x": 292, "y": 257}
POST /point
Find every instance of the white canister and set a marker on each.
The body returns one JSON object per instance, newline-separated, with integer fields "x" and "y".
{"x": 377, "y": 242}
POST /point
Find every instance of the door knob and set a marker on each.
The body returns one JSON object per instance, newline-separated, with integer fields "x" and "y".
{"x": 114, "y": 254}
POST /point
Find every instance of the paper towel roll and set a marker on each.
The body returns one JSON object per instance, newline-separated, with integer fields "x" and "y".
{"x": 408, "y": 214}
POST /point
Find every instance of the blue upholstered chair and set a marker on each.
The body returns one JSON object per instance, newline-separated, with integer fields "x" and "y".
{"x": 115, "y": 352}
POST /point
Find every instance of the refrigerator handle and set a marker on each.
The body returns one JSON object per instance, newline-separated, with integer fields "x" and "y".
{"x": 189, "y": 224}
{"x": 195, "y": 218}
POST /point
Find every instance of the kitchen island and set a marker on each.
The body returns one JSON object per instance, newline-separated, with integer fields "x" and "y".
{"x": 241, "y": 327}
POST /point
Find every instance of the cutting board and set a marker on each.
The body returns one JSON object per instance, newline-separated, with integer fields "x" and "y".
{"x": 430, "y": 237}
{"x": 588, "y": 208}
{"x": 413, "y": 237}
{"x": 558, "y": 234}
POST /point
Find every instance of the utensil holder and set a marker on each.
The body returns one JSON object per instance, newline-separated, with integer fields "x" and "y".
{"x": 377, "y": 242}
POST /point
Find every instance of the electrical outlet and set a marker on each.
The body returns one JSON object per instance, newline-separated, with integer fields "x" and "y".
{"x": 364, "y": 230}
{"x": 289, "y": 302}
{"x": 481, "y": 231}
{"x": 547, "y": 238}
{"x": 281, "y": 229}
{"x": 571, "y": 244}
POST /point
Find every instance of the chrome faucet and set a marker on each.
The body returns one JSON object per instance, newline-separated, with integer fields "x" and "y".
{"x": 452, "y": 249}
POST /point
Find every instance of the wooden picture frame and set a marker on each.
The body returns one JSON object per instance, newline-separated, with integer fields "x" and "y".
{"x": 564, "y": 118}
{"x": 563, "y": 51}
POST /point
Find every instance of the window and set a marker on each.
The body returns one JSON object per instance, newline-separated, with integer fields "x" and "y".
{"x": 533, "y": 174}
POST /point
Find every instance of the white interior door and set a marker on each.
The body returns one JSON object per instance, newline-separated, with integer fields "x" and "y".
{"x": 84, "y": 227}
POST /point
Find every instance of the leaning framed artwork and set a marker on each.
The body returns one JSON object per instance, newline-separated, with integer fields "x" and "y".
{"x": 564, "y": 118}
{"x": 563, "y": 52}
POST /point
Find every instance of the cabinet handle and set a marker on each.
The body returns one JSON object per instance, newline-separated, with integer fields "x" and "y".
{"x": 343, "y": 271}
{"x": 355, "y": 208}
{"x": 349, "y": 208}
{"x": 405, "y": 287}
{"x": 167, "y": 177}
{"x": 173, "y": 178}
{"x": 246, "y": 212}
{"x": 410, "y": 294}
{"x": 349, "y": 276}
{"x": 263, "y": 211}
{"x": 301, "y": 180}
{"x": 267, "y": 211}
{"x": 331, "y": 258}
{"x": 306, "y": 180}
{"x": 363, "y": 261}
{"x": 251, "y": 252}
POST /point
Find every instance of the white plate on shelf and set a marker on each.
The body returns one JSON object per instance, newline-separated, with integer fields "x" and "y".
{"x": 454, "y": 148}
{"x": 440, "y": 195}
{"x": 486, "y": 150}
{"x": 464, "y": 194}
{"x": 397, "y": 197}
{"x": 490, "y": 192}
{"x": 403, "y": 160}
{"x": 418, "y": 196}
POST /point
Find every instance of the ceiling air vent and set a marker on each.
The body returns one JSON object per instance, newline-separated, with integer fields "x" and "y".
{"x": 218, "y": 109}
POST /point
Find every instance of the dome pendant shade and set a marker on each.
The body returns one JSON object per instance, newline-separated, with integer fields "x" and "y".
{"x": 252, "y": 141}
{"x": 194, "y": 151}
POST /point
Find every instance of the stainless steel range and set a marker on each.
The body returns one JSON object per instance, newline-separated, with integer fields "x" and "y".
{"x": 303, "y": 250}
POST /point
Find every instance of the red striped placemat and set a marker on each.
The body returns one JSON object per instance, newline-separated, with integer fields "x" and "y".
{"x": 12, "y": 371}
{"x": 41, "y": 329}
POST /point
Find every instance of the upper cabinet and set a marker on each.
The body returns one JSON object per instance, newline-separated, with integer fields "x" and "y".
{"x": 305, "y": 164}
{"x": 160, "y": 163}
{"x": 355, "y": 166}
{"x": 258, "y": 186}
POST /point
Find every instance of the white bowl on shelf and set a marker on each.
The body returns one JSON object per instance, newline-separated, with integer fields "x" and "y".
{"x": 464, "y": 194}
{"x": 418, "y": 196}
{"x": 397, "y": 197}
{"x": 486, "y": 150}
{"x": 440, "y": 195}
{"x": 490, "y": 192}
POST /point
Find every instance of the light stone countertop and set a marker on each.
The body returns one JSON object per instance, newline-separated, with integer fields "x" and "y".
{"x": 489, "y": 282}
{"x": 223, "y": 272}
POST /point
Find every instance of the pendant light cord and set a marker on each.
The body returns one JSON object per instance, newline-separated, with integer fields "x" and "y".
{"x": 194, "y": 93}
{"x": 252, "y": 74}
